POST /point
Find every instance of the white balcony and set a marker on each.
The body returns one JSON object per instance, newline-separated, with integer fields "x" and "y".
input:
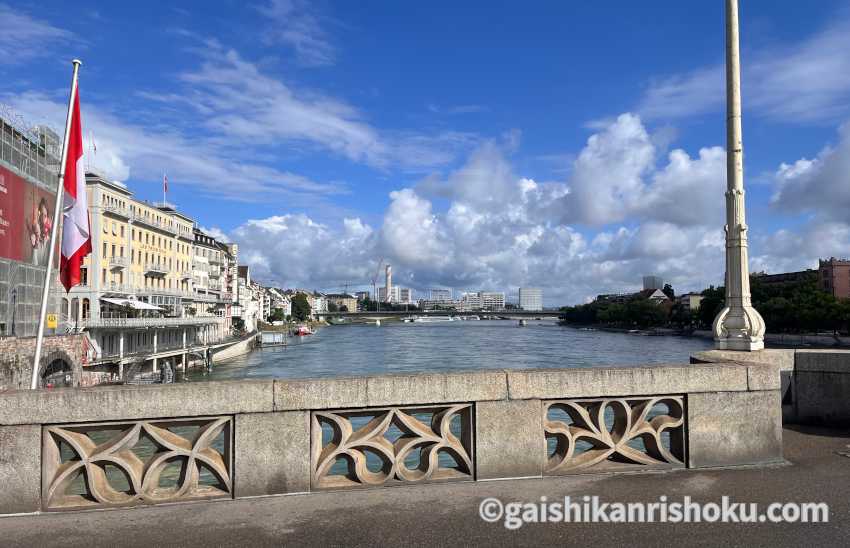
{"x": 156, "y": 269}
{"x": 117, "y": 211}
{"x": 148, "y": 322}
{"x": 151, "y": 222}
{"x": 115, "y": 287}
{"x": 174, "y": 292}
{"x": 117, "y": 263}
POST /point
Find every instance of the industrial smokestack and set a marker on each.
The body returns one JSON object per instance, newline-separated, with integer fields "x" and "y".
{"x": 389, "y": 283}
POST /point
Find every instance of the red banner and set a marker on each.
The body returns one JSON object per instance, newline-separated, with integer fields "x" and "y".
{"x": 26, "y": 215}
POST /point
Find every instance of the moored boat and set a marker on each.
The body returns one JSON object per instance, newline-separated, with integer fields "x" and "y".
{"x": 302, "y": 331}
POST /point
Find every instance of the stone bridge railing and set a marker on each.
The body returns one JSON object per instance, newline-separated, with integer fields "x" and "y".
{"x": 117, "y": 446}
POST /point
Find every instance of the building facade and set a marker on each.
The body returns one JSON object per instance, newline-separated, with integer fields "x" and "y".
{"x": 487, "y": 301}
{"x": 393, "y": 297}
{"x": 690, "y": 301}
{"x": 29, "y": 163}
{"x": 140, "y": 273}
{"x": 438, "y": 295}
{"x": 653, "y": 282}
{"x": 834, "y": 277}
{"x": 531, "y": 299}
{"x": 343, "y": 301}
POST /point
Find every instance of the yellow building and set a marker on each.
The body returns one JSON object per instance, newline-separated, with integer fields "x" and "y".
{"x": 138, "y": 276}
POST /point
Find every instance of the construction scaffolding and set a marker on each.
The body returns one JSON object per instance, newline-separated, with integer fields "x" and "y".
{"x": 32, "y": 150}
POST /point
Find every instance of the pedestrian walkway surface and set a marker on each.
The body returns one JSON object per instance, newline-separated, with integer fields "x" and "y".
{"x": 448, "y": 514}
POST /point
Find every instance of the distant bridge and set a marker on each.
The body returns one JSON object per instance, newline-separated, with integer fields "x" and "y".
{"x": 506, "y": 314}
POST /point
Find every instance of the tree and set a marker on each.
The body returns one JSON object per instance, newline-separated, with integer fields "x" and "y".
{"x": 332, "y": 307}
{"x": 300, "y": 307}
{"x": 668, "y": 290}
{"x": 712, "y": 303}
{"x": 277, "y": 315}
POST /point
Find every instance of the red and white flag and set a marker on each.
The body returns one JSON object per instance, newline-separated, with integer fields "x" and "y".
{"x": 164, "y": 182}
{"x": 76, "y": 232}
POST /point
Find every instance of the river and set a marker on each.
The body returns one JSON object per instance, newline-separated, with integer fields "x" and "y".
{"x": 351, "y": 350}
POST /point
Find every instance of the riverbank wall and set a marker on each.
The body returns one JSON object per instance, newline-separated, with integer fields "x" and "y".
{"x": 236, "y": 349}
{"x": 787, "y": 340}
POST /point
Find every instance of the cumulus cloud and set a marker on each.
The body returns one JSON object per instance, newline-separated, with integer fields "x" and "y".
{"x": 615, "y": 178}
{"x": 819, "y": 185}
{"x": 499, "y": 230}
{"x": 295, "y": 251}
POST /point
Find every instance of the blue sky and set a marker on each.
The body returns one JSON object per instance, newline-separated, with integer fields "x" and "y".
{"x": 566, "y": 145}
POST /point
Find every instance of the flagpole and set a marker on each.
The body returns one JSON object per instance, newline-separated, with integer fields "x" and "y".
{"x": 57, "y": 207}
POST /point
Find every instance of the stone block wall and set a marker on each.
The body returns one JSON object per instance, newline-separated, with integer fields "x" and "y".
{"x": 16, "y": 355}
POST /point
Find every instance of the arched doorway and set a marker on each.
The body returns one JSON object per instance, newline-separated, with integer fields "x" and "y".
{"x": 57, "y": 373}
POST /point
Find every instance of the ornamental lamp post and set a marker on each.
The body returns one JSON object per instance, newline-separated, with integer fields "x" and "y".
{"x": 738, "y": 326}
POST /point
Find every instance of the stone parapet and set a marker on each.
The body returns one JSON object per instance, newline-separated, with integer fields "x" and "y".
{"x": 266, "y": 437}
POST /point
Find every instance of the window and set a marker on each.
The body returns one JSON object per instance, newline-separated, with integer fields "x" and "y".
{"x": 122, "y": 231}
{"x": 104, "y": 249}
{"x": 103, "y": 276}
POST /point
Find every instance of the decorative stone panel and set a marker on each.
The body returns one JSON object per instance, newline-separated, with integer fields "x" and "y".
{"x": 613, "y": 434}
{"x": 139, "y": 462}
{"x": 391, "y": 445}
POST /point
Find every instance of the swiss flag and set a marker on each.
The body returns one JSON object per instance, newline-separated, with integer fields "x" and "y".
{"x": 76, "y": 233}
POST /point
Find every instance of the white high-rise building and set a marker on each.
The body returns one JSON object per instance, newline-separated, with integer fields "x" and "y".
{"x": 393, "y": 297}
{"x": 440, "y": 295}
{"x": 482, "y": 300}
{"x": 653, "y": 282}
{"x": 531, "y": 299}
{"x": 388, "y": 293}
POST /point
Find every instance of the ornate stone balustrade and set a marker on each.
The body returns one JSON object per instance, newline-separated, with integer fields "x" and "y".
{"x": 120, "y": 464}
{"x": 122, "y": 445}
{"x": 614, "y": 434}
{"x": 408, "y": 445}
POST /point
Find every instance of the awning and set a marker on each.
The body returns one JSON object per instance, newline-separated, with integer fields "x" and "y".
{"x": 132, "y": 303}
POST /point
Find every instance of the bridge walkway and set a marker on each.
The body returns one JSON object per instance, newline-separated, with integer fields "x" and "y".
{"x": 447, "y": 515}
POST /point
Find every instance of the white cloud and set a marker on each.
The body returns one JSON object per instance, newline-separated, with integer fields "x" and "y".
{"x": 293, "y": 24}
{"x": 125, "y": 150}
{"x": 817, "y": 186}
{"x": 500, "y": 231}
{"x": 235, "y": 99}
{"x": 615, "y": 178}
{"x": 295, "y": 251}
{"x": 799, "y": 83}
{"x": 24, "y": 37}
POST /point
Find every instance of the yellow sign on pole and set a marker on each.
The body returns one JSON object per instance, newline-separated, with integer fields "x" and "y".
{"x": 52, "y": 322}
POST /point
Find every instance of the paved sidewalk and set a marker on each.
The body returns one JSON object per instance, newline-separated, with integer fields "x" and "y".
{"x": 447, "y": 515}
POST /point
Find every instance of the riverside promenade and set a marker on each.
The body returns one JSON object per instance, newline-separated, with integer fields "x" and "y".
{"x": 818, "y": 469}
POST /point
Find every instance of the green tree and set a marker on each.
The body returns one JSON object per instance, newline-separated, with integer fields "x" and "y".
{"x": 712, "y": 303}
{"x": 668, "y": 290}
{"x": 277, "y": 315}
{"x": 332, "y": 307}
{"x": 300, "y": 307}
